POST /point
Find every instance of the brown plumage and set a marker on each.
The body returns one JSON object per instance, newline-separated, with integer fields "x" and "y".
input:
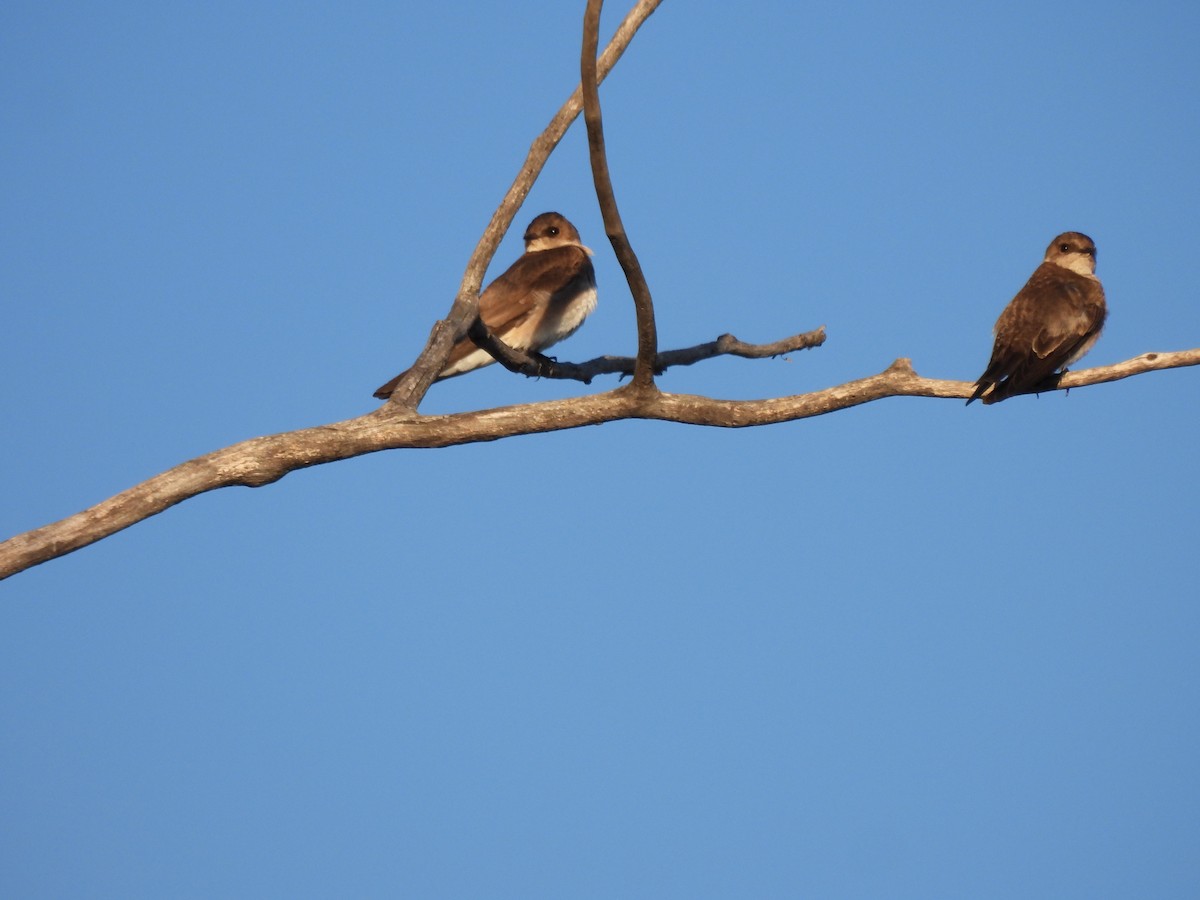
{"x": 541, "y": 299}
{"x": 1052, "y": 322}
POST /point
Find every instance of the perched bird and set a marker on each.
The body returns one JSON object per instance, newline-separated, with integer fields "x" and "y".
{"x": 1052, "y": 322}
{"x": 541, "y": 299}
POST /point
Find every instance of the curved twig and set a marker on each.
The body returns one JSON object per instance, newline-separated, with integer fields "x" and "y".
{"x": 643, "y": 375}
{"x": 412, "y": 388}
{"x": 263, "y": 460}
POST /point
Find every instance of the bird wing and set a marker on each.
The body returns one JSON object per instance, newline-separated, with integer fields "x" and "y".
{"x": 531, "y": 284}
{"x": 1051, "y": 322}
{"x": 1070, "y": 320}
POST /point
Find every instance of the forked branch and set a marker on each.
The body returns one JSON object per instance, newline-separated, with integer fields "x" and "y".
{"x": 397, "y": 425}
{"x": 411, "y": 390}
{"x": 263, "y": 460}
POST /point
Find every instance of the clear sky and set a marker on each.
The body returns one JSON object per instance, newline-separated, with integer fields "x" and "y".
{"x": 909, "y": 650}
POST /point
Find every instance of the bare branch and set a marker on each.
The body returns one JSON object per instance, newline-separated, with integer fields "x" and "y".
{"x": 397, "y": 424}
{"x": 263, "y": 460}
{"x": 411, "y": 389}
{"x": 535, "y": 365}
{"x": 1147, "y": 362}
{"x": 643, "y": 376}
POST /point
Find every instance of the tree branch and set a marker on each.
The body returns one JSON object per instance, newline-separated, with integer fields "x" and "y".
{"x": 412, "y": 388}
{"x": 535, "y": 365}
{"x": 264, "y": 460}
{"x": 1147, "y": 362}
{"x": 643, "y": 374}
{"x": 397, "y": 424}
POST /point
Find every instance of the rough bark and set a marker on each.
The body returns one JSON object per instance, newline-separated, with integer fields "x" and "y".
{"x": 262, "y": 460}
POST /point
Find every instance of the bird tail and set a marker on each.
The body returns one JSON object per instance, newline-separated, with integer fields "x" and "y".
{"x": 385, "y": 391}
{"x": 999, "y": 391}
{"x": 980, "y": 387}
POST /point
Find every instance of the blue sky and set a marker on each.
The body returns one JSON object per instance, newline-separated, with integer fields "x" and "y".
{"x": 907, "y": 650}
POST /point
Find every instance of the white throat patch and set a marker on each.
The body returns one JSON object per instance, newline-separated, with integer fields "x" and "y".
{"x": 1079, "y": 263}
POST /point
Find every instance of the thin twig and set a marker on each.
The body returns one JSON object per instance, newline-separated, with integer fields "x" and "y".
{"x": 643, "y": 376}
{"x": 535, "y": 365}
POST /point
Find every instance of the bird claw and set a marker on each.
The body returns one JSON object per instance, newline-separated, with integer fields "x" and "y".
{"x": 544, "y": 363}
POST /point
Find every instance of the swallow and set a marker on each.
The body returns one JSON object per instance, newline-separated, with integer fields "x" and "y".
{"x": 1051, "y": 323}
{"x": 540, "y": 300}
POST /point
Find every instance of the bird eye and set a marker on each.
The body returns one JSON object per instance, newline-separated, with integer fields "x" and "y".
{"x": 1063, "y": 248}
{"x": 553, "y": 232}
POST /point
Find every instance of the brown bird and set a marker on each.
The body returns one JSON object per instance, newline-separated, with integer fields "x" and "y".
{"x": 1052, "y": 322}
{"x": 541, "y": 299}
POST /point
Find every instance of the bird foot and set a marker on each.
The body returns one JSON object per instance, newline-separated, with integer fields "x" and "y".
{"x": 544, "y": 363}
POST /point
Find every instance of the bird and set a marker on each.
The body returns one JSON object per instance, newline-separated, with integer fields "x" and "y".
{"x": 1052, "y": 322}
{"x": 540, "y": 299}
